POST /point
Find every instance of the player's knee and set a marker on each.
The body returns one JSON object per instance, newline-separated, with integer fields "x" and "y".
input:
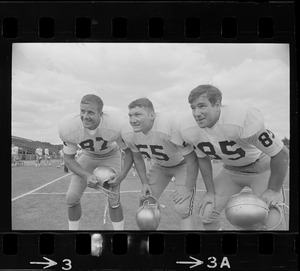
{"x": 72, "y": 199}
{"x": 184, "y": 209}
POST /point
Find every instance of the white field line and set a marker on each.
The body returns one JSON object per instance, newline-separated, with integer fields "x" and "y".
{"x": 40, "y": 187}
{"x": 122, "y": 192}
{"x": 97, "y": 192}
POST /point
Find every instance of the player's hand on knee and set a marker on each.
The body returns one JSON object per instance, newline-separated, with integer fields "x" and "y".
{"x": 146, "y": 191}
{"x": 181, "y": 193}
{"x": 92, "y": 181}
{"x": 271, "y": 197}
{"x": 208, "y": 199}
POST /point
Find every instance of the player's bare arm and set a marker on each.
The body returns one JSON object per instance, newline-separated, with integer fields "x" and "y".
{"x": 279, "y": 167}
{"x": 192, "y": 170}
{"x": 141, "y": 170}
{"x": 128, "y": 161}
{"x": 207, "y": 175}
{"x": 182, "y": 192}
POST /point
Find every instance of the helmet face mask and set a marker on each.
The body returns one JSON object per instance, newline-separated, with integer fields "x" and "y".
{"x": 103, "y": 174}
{"x": 246, "y": 211}
{"x": 149, "y": 214}
{"x": 106, "y": 185}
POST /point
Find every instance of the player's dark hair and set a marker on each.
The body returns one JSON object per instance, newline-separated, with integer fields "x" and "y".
{"x": 142, "y": 102}
{"x": 213, "y": 94}
{"x": 92, "y": 98}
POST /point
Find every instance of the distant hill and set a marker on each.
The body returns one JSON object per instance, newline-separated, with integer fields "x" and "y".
{"x": 28, "y": 146}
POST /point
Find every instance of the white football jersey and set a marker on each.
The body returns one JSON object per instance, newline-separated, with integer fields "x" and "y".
{"x": 46, "y": 151}
{"x": 15, "y": 150}
{"x": 39, "y": 151}
{"x": 104, "y": 139}
{"x": 238, "y": 138}
{"x": 156, "y": 144}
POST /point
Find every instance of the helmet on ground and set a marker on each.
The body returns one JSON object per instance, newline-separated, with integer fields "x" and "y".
{"x": 275, "y": 218}
{"x": 148, "y": 215}
{"x": 104, "y": 174}
{"x": 246, "y": 211}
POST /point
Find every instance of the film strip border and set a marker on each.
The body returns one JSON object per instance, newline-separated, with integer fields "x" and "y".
{"x": 188, "y": 21}
{"x": 253, "y": 251}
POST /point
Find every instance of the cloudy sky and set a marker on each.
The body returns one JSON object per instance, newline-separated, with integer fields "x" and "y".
{"x": 49, "y": 80}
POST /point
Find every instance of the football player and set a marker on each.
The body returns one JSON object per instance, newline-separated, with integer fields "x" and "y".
{"x": 61, "y": 156}
{"x": 47, "y": 157}
{"x": 252, "y": 155}
{"x": 98, "y": 133}
{"x": 150, "y": 134}
{"x": 39, "y": 156}
{"x": 14, "y": 154}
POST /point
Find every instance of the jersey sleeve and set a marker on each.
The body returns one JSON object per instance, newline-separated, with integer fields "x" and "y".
{"x": 114, "y": 123}
{"x": 266, "y": 141}
{"x": 177, "y": 139}
{"x": 127, "y": 137}
{"x": 199, "y": 153}
{"x": 185, "y": 150}
{"x": 255, "y": 133}
{"x": 69, "y": 147}
{"x": 129, "y": 143}
{"x": 179, "y": 135}
{"x": 121, "y": 143}
{"x": 253, "y": 123}
{"x": 176, "y": 135}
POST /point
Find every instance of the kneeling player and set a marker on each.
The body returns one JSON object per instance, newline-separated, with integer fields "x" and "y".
{"x": 38, "y": 156}
{"x": 47, "y": 157}
{"x": 99, "y": 135}
{"x": 252, "y": 155}
{"x": 150, "y": 134}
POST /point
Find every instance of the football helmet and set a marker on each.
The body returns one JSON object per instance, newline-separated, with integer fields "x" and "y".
{"x": 103, "y": 174}
{"x": 246, "y": 211}
{"x": 149, "y": 214}
{"x": 275, "y": 218}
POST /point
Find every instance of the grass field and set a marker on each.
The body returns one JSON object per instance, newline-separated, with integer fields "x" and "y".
{"x": 38, "y": 201}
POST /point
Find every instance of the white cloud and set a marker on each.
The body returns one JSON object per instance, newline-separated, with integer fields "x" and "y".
{"x": 50, "y": 79}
